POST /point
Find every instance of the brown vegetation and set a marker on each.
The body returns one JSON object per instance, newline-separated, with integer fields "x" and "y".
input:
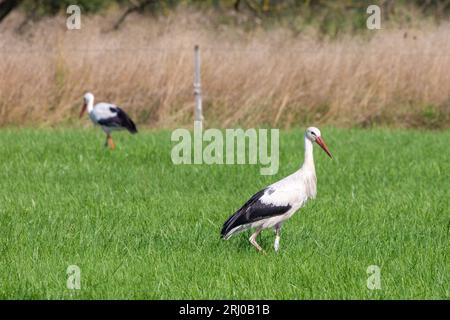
{"x": 395, "y": 77}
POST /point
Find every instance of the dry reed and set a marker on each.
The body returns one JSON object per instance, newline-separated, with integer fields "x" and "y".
{"x": 392, "y": 77}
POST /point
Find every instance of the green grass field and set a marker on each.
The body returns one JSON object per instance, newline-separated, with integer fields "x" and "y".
{"x": 140, "y": 227}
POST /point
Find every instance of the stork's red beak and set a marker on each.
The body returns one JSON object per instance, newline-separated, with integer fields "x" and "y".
{"x": 323, "y": 145}
{"x": 83, "y": 109}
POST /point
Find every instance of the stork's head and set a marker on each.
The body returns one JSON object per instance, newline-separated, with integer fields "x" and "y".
{"x": 88, "y": 98}
{"x": 313, "y": 134}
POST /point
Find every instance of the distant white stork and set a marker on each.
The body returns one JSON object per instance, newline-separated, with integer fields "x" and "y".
{"x": 109, "y": 116}
{"x": 276, "y": 203}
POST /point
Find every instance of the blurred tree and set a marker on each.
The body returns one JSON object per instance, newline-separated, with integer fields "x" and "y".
{"x": 6, "y": 6}
{"x": 330, "y": 16}
{"x": 52, "y": 7}
{"x": 135, "y": 6}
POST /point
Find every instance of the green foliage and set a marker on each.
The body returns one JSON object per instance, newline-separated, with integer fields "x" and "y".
{"x": 51, "y": 7}
{"x": 433, "y": 117}
{"x": 140, "y": 227}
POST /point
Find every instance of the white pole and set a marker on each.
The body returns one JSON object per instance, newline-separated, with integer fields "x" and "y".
{"x": 197, "y": 87}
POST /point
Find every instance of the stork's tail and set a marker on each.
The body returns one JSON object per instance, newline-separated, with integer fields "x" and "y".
{"x": 224, "y": 233}
{"x": 131, "y": 126}
{"x": 229, "y": 227}
{"x": 126, "y": 121}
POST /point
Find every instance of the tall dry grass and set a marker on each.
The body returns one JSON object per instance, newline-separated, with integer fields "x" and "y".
{"x": 391, "y": 77}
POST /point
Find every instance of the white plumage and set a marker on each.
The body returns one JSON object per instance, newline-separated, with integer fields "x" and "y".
{"x": 101, "y": 111}
{"x": 276, "y": 203}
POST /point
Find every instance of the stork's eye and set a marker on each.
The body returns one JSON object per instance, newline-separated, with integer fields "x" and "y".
{"x": 313, "y": 133}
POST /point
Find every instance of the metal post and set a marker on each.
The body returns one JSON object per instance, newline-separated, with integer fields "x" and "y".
{"x": 197, "y": 87}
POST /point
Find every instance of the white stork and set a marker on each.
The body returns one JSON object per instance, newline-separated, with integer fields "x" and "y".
{"x": 109, "y": 116}
{"x": 276, "y": 203}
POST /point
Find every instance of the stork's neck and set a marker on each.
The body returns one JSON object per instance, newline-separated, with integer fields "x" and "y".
{"x": 309, "y": 156}
{"x": 90, "y": 105}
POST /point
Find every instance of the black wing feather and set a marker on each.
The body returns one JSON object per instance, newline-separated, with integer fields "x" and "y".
{"x": 253, "y": 210}
{"x": 121, "y": 119}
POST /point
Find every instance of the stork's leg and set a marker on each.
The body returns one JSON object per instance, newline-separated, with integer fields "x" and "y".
{"x": 110, "y": 142}
{"x": 276, "y": 245}
{"x": 253, "y": 240}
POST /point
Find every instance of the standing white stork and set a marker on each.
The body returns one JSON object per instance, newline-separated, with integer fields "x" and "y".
{"x": 276, "y": 203}
{"x": 109, "y": 116}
